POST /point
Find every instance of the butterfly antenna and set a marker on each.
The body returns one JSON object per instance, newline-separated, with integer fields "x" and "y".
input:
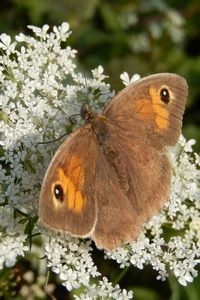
{"x": 72, "y": 119}
{"x": 55, "y": 140}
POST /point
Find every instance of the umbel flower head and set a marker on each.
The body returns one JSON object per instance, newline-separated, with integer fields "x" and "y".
{"x": 41, "y": 86}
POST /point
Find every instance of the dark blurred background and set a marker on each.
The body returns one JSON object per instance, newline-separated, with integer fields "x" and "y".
{"x": 139, "y": 36}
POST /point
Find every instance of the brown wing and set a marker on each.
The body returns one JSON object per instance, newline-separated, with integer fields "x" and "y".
{"x": 67, "y": 201}
{"x": 134, "y": 180}
{"x": 133, "y": 183}
{"x": 151, "y": 109}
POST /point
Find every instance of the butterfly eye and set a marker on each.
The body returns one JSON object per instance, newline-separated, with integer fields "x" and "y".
{"x": 58, "y": 192}
{"x": 164, "y": 95}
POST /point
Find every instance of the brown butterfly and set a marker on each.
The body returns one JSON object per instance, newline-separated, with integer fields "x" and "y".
{"x": 113, "y": 173}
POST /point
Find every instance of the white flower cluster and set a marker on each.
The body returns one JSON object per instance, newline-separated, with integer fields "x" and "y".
{"x": 41, "y": 86}
{"x": 11, "y": 248}
{"x": 104, "y": 290}
{"x": 71, "y": 259}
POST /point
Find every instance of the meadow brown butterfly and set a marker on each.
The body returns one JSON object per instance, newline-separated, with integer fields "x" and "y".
{"x": 113, "y": 173}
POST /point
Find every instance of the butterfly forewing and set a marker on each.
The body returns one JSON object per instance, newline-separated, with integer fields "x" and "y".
{"x": 67, "y": 200}
{"x": 151, "y": 109}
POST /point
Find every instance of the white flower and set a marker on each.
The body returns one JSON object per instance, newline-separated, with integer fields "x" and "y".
{"x": 126, "y": 80}
{"x": 41, "y": 32}
{"x": 62, "y": 31}
{"x": 6, "y": 44}
{"x": 10, "y": 248}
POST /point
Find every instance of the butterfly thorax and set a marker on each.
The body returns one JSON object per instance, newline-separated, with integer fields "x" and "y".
{"x": 101, "y": 129}
{"x": 87, "y": 114}
{"x": 98, "y": 123}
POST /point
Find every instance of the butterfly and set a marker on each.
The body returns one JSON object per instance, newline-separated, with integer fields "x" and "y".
{"x": 113, "y": 174}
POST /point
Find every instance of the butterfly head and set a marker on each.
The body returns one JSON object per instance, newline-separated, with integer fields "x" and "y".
{"x": 87, "y": 114}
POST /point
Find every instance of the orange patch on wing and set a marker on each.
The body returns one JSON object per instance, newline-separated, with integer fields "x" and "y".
{"x": 72, "y": 184}
{"x": 75, "y": 170}
{"x": 79, "y": 201}
{"x": 162, "y": 114}
{"x": 144, "y": 109}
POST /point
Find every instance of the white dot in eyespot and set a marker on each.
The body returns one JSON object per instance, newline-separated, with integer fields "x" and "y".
{"x": 58, "y": 192}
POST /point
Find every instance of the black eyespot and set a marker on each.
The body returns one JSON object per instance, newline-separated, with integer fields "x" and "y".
{"x": 164, "y": 95}
{"x": 58, "y": 192}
